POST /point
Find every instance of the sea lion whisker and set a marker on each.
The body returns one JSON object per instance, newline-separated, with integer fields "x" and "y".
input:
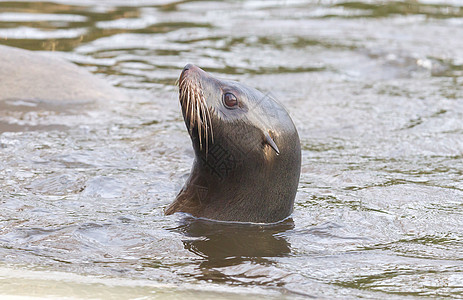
{"x": 201, "y": 118}
{"x": 198, "y": 120}
{"x": 182, "y": 95}
{"x": 204, "y": 119}
{"x": 184, "y": 99}
{"x": 209, "y": 120}
{"x": 201, "y": 106}
{"x": 187, "y": 97}
{"x": 192, "y": 111}
{"x": 189, "y": 110}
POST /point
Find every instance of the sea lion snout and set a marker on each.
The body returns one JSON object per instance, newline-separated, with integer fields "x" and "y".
{"x": 188, "y": 66}
{"x": 192, "y": 69}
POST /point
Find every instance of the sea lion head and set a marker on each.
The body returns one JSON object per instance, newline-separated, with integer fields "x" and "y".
{"x": 247, "y": 152}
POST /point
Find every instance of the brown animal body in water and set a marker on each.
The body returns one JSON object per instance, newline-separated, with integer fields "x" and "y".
{"x": 247, "y": 152}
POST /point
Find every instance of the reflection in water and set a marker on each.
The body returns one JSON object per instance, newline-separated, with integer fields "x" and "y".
{"x": 237, "y": 253}
{"x": 218, "y": 241}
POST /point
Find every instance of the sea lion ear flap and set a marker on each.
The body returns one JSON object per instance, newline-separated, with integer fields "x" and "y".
{"x": 271, "y": 143}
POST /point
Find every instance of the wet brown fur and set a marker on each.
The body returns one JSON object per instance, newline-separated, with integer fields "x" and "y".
{"x": 260, "y": 187}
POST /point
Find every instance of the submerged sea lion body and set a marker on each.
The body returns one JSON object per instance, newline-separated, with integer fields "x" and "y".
{"x": 247, "y": 152}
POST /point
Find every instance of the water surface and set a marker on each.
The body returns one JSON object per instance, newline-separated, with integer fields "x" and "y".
{"x": 374, "y": 88}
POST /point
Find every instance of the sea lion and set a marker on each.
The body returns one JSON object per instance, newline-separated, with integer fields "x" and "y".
{"x": 45, "y": 78}
{"x": 247, "y": 152}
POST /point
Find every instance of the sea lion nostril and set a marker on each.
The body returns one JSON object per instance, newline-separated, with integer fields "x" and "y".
{"x": 187, "y": 67}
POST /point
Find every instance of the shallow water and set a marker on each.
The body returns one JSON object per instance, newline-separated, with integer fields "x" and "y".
{"x": 374, "y": 88}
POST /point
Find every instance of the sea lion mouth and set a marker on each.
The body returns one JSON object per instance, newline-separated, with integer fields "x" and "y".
{"x": 195, "y": 111}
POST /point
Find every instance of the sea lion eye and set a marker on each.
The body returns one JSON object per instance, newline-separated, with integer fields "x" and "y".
{"x": 230, "y": 100}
